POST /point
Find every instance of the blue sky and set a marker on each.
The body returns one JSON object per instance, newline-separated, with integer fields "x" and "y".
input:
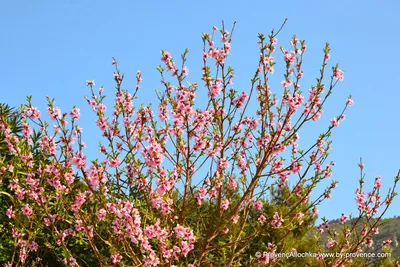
{"x": 52, "y": 47}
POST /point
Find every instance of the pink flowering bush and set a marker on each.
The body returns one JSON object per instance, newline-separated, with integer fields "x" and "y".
{"x": 185, "y": 185}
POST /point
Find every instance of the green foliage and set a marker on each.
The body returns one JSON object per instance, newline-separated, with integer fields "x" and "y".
{"x": 12, "y": 119}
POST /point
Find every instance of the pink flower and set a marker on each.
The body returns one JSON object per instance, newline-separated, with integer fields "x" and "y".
{"x": 54, "y": 113}
{"x": 10, "y": 213}
{"x": 295, "y": 167}
{"x": 101, "y": 214}
{"x": 258, "y": 205}
{"x": 370, "y": 242}
{"x": 114, "y": 163}
{"x": 33, "y": 246}
{"x": 225, "y": 204}
{"x": 286, "y": 83}
{"x": 27, "y": 210}
{"x": 102, "y": 123}
{"x": 378, "y": 183}
{"x": 235, "y": 219}
{"x": 102, "y": 107}
{"x": 89, "y": 82}
{"x": 315, "y": 210}
{"x": 223, "y": 164}
{"x": 334, "y": 122}
{"x": 264, "y": 259}
{"x": 262, "y": 218}
{"x": 153, "y": 155}
{"x": 331, "y": 243}
{"x": 117, "y": 77}
{"x": 239, "y": 102}
{"x": 338, "y": 74}
{"x": 387, "y": 242}
{"x": 200, "y": 195}
{"x": 232, "y": 183}
{"x": 289, "y": 57}
{"x": 72, "y": 261}
{"x": 300, "y": 217}
{"x": 186, "y": 248}
{"x": 75, "y": 113}
{"x": 343, "y": 219}
{"x": 269, "y": 68}
{"x": 215, "y": 90}
{"x": 350, "y": 102}
{"x": 327, "y": 57}
{"x": 277, "y": 220}
{"x": 139, "y": 77}
{"x": 116, "y": 258}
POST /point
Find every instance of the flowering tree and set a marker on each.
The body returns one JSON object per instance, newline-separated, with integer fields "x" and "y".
{"x": 186, "y": 185}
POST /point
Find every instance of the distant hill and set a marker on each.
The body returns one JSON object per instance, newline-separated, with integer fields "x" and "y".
{"x": 390, "y": 229}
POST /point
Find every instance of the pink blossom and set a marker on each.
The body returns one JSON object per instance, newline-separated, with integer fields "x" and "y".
{"x": 277, "y": 220}
{"x": 75, "y": 113}
{"x": 54, "y": 113}
{"x": 101, "y": 214}
{"x": 72, "y": 261}
{"x": 153, "y": 154}
{"x": 10, "y": 213}
{"x": 375, "y": 230}
{"x": 258, "y": 205}
{"x": 296, "y": 167}
{"x": 33, "y": 246}
{"x": 327, "y": 57}
{"x": 286, "y": 83}
{"x": 370, "y": 242}
{"x": 215, "y": 90}
{"x": 378, "y": 183}
{"x": 223, "y": 164}
{"x": 262, "y": 218}
{"x": 338, "y": 74}
{"x": 289, "y": 57}
{"x": 117, "y": 77}
{"x": 114, "y": 163}
{"x": 235, "y": 219}
{"x": 90, "y": 82}
{"x": 331, "y": 243}
{"x": 350, "y": 102}
{"x": 343, "y": 219}
{"x": 27, "y": 210}
{"x": 225, "y": 204}
{"x": 387, "y": 242}
{"x": 232, "y": 183}
{"x": 334, "y": 122}
{"x": 239, "y": 102}
{"x": 116, "y": 258}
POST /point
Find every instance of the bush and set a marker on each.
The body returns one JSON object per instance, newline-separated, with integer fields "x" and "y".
{"x": 186, "y": 185}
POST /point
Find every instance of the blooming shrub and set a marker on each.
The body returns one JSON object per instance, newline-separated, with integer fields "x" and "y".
{"x": 185, "y": 185}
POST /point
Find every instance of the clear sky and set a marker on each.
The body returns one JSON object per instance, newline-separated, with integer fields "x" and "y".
{"x": 52, "y": 47}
